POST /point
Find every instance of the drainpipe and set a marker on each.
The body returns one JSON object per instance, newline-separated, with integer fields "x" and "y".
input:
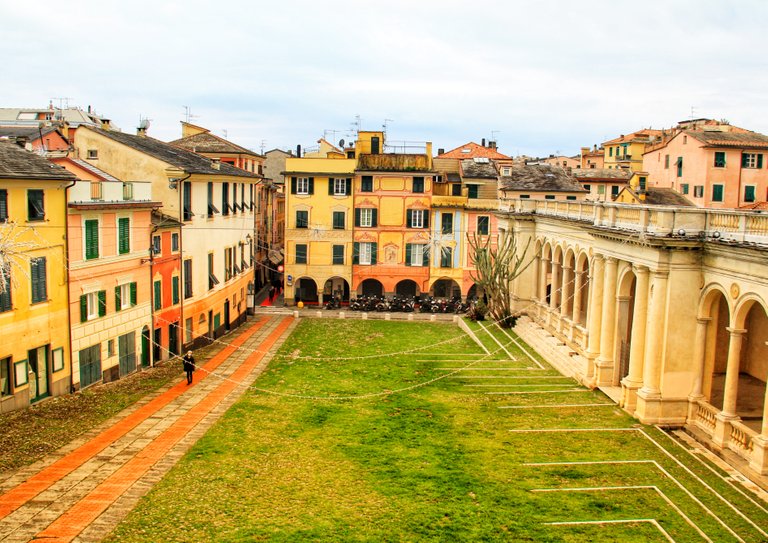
{"x": 181, "y": 256}
{"x": 66, "y": 276}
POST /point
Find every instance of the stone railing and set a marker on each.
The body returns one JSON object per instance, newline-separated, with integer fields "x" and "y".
{"x": 673, "y": 222}
{"x": 706, "y": 416}
{"x": 741, "y": 439}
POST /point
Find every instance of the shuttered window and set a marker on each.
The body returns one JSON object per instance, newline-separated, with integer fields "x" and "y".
{"x": 338, "y": 254}
{"x": 39, "y": 280}
{"x": 3, "y": 205}
{"x": 158, "y": 295}
{"x": 91, "y": 239}
{"x": 338, "y": 220}
{"x": 483, "y": 225}
{"x": 188, "y": 278}
{"x": 447, "y": 223}
{"x": 5, "y": 290}
{"x": 717, "y": 193}
{"x": 301, "y": 253}
{"x": 749, "y": 193}
{"x": 124, "y": 235}
{"x": 174, "y": 290}
{"x": 35, "y": 205}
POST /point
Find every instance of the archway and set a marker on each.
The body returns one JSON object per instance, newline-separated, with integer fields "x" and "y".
{"x": 624, "y": 317}
{"x": 145, "y": 350}
{"x": 407, "y": 288}
{"x": 716, "y": 349}
{"x": 445, "y": 288}
{"x": 753, "y": 368}
{"x": 305, "y": 290}
{"x": 581, "y": 290}
{"x": 371, "y": 287}
{"x": 336, "y": 286}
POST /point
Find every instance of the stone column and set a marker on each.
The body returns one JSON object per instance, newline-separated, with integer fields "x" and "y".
{"x": 566, "y": 291}
{"x": 699, "y": 356}
{"x": 555, "y": 290}
{"x": 543, "y": 280}
{"x": 649, "y": 397}
{"x": 577, "y": 286}
{"x": 634, "y": 380}
{"x": 759, "y": 460}
{"x": 537, "y": 275}
{"x": 595, "y": 314}
{"x": 731, "y": 393}
{"x": 605, "y": 362}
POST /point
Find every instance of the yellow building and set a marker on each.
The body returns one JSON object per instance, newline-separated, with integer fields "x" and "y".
{"x": 319, "y": 222}
{"x": 34, "y": 324}
{"x": 626, "y": 151}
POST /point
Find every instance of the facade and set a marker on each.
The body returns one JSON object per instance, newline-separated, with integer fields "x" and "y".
{"x": 35, "y": 355}
{"x": 567, "y": 163}
{"x": 602, "y": 184}
{"x": 213, "y": 201}
{"x": 110, "y": 309}
{"x": 169, "y": 286}
{"x": 592, "y": 158}
{"x": 714, "y": 165}
{"x": 666, "y": 308}
{"x": 626, "y": 151}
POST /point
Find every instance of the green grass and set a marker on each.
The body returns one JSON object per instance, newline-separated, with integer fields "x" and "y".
{"x": 424, "y": 463}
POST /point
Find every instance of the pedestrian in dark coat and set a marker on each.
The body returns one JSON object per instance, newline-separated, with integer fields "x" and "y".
{"x": 189, "y": 365}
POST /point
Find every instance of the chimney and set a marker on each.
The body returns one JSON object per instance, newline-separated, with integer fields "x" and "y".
{"x": 298, "y": 151}
{"x": 483, "y": 142}
{"x": 141, "y": 131}
{"x": 492, "y": 145}
{"x": 215, "y": 164}
{"x": 440, "y": 151}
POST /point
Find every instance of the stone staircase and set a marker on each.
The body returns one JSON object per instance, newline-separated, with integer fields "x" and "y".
{"x": 556, "y": 352}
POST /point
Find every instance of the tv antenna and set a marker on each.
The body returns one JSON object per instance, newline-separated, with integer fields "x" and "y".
{"x": 386, "y": 121}
{"x": 330, "y": 131}
{"x": 188, "y": 114}
{"x": 225, "y": 132}
{"x": 358, "y": 123}
{"x": 263, "y": 143}
{"x": 63, "y": 101}
{"x": 493, "y": 134}
{"x": 693, "y": 112}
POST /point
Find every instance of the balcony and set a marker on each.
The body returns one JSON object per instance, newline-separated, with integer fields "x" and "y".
{"x": 395, "y": 163}
{"x": 448, "y": 201}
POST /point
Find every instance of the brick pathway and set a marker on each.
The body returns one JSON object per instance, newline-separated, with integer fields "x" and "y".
{"x": 82, "y": 492}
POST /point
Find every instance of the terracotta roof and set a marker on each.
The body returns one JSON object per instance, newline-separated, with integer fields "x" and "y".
{"x": 18, "y": 163}
{"x": 29, "y": 132}
{"x": 540, "y": 177}
{"x": 639, "y": 135}
{"x": 714, "y": 138}
{"x": 205, "y": 142}
{"x": 657, "y": 196}
{"x": 472, "y": 150}
{"x": 601, "y": 174}
{"x": 484, "y": 169}
{"x": 175, "y": 156}
{"x": 756, "y": 206}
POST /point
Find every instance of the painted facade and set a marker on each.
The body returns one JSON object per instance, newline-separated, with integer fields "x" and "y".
{"x": 169, "y": 287}
{"x": 626, "y": 151}
{"x": 33, "y": 297}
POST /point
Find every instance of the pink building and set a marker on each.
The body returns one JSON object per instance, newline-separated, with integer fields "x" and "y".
{"x": 714, "y": 165}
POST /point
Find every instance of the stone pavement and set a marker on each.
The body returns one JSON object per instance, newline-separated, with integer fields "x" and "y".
{"x": 81, "y": 492}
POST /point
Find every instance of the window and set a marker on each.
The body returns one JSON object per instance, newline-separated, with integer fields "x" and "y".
{"x": 91, "y": 239}
{"x": 123, "y": 235}
{"x": 302, "y": 219}
{"x": 719, "y": 159}
{"x": 684, "y": 188}
{"x": 698, "y": 191}
{"x": 338, "y": 254}
{"x": 524, "y": 196}
{"x": 717, "y": 193}
{"x": 92, "y": 154}
{"x": 570, "y": 197}
{"x": 588, "y": 188}
{"x": 748, "y": 160}
{"x": 455, "y": 189}
{"x": 110, "y": 348}
{"x": 242, "y": 197}
{"x": 446, "y": 257}
{"x": 227, "y": 263}
{"x": 225, "y": 208}
{"x": 96, "y": 190}
{"x": 679, "y": 166}
{"x": 416, "y": 255}
{"x": 127, "y": 191}
{"x": 187, "y": 201}
{"x": 212, "y": 209}
{"x": 3, "y": 205}
{"x": 174, "y": 242}
{"x": 339, "y": 187}
{"x": 366, "y": 217}
{"x": 156, "y": 249}
{"x": 506, "y": 170}
{"x": 483, "y": 225}
{"x": 615, "y": 189}
{"x": 188, "y": 278}
{"x": 549, "y": 196}
{"x": 35, "y": 205}
{"x": 338, "y": 220}
{"x": 175, "y": 289}
{"x": 125, "y": 296}
{"x": 93, "y": 305}
{"x": 301, "y": 253}
{"x": 6, "y": 303}
{"x": 666, "y": 162}
{"x": 5, "y": 376}
{"x": 235, "y": 206}
{"x": 418, "y": 184}
{"x": 158, "y": 295}
{"x": 472, "y": 191}
{"x": 642, "y": 181}
{"x": 39, "y": 280}
{"x": 749, "y": 193}
{"x": 601, "y": 189}
{"x": 366, "y": 183}
{"x": 417, "y": 218}
{"x": 610, "y": 151}
{"x": 365, "y": 253}
{"x": 212, "y": 280}
{"x": 446, "y": 223}
{"x": 300, "y": 185}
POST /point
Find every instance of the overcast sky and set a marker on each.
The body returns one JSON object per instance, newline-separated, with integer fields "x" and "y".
{"x": 539, "y": 76}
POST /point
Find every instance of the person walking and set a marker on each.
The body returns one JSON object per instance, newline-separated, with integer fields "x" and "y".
{"x": 189, "y": 365}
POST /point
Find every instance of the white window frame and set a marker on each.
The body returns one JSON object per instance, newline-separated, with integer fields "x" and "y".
{"x": 417, "y": 255}
{"x": 751, "y": 160}
{"x": 125, "y": 296}
{"x": 339, "y": 187}
{"x": 365, "y": 253}
{"x": 366, "y": 217}
{"x": 417, "y": 218}
{"x": 92, "y": 303}
{"x": 302, "y": 185}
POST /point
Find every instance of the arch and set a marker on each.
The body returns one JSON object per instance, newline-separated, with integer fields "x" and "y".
{"x": 716, "y": 308}
{"x": 751, "y": 315}
{"x": 445, "y": 287}
{"x": 371, "y": 287}
{"x": 708, "y": 296}
{"x": 407, "y": 287}
{"x": 305, "y": 290}
{"x": 336, "y": 286}
{"x": 742, "y": 308}
{"x": 627, "y": 293}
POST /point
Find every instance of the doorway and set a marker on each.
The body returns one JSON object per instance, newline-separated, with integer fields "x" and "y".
{"x": 38, "y": 365}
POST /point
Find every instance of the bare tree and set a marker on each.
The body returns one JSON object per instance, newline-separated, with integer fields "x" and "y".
{"x": 496, "y": 266}
{"x": 13, "y": 254}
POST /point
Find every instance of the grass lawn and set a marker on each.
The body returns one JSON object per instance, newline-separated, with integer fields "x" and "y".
{"x": 449, "y": 459}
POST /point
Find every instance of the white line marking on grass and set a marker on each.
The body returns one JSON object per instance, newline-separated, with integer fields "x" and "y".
{"x": 616, "y": 521}
{"x": 633, "y": 487}
{"x": 657, "y": 466}
{"x": 496, "y": 341}
{"x": 509, "y": 377}
{"x": 557, "y": 405}
{"x": 542, "y": 391}
{"x": 514, "y": 385}
{"x": 529, "y": 355}
{"x": 490, "y": 369}
{"x": 545, "y": 430}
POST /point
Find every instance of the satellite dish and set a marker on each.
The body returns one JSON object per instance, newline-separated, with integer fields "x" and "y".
{"x": 341, "y": 143}
{"x": 144, "y": 124}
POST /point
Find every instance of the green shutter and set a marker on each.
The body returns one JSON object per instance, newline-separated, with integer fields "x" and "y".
{"x": 426, "y": 218}
{"x": 158, "y": 295}
{"x": 408, "y": 250}
{"x": 293, "y": 185}
{"x": 348, "y": 186}
{"x": 356, "y": 253}
{"x": 83, "y": 308}
{"x": 175, "y": 289}
{"x": 133, "y": 293}
{"x": 124, "y": 241}
{"x": 311, "y": 184}
{"x": 330, "y": 186}
{"x": 374, "y": 217}
{"x": 744, "y": 160}
{"x": 760, "y": 160}
{"x": 408, "y": 219}
{"x": 374, "y": 252}
{"x": 425, "y": 256}
{"x": 102, "y": 303}
{"x": 357, "y": 216}
{"x": 118, "y": 301}
{"x": 91, "y": 239}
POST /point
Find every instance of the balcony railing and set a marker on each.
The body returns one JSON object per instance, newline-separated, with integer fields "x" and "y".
{"x": 658, "y": 221}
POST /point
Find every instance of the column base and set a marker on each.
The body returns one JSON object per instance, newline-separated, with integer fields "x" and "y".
{"x": 604, "y": 372}
{"x": 722, "y": 433}
{"x": 759, "y": 460}
{"x": 629, "y": 390}
{"x": 648, "y": 409}
{"x": 589, "y": 370}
